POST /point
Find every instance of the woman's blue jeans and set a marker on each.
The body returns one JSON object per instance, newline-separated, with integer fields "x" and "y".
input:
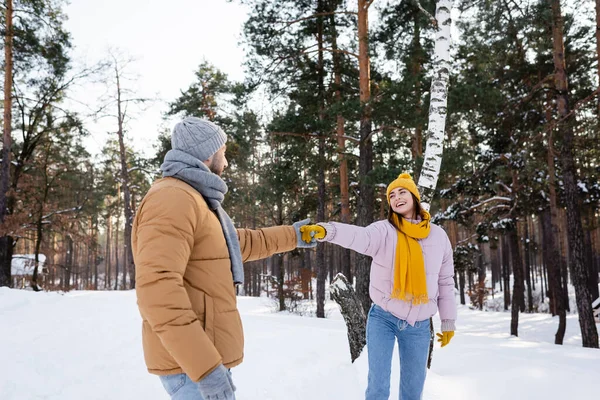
{"x": 383, "y": 329}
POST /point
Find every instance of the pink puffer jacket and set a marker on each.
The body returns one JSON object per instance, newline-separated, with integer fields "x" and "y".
{"x": 378, "y": 240}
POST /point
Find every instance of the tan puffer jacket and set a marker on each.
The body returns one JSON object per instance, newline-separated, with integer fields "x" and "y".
{"x": 184, "y": 285}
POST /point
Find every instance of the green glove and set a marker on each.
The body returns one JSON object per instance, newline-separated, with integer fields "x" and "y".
{"x": 445, "y": 337}
{"x": 312, "y": 231}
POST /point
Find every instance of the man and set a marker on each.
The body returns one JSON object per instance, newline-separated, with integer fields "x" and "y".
{"x": 188, "y": 257}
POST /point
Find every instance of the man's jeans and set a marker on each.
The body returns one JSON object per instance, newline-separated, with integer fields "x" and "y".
{"x": 181, "y": 387}
{"x": 413, "y": 344}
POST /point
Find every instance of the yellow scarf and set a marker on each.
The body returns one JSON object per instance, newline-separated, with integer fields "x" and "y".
{"x": 410, "y": 283}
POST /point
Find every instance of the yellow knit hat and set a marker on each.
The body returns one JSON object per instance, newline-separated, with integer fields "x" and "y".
{"x": 405, "y": 181}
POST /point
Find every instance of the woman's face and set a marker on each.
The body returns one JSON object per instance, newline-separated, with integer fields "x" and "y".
{"x": 402, "y": 202}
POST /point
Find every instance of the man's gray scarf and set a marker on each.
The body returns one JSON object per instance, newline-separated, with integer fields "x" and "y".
{"x": 194, "y": 172}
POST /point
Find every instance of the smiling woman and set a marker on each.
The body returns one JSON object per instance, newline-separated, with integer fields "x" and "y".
{"x": 412, "y": 277}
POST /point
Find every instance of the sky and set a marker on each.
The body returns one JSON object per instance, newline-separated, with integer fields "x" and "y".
{"x": 168, "y": 41}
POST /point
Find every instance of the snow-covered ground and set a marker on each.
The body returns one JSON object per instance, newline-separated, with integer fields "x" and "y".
{"x": 86, "y": 345}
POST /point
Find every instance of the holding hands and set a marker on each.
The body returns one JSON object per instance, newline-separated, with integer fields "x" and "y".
{"x": 304, "y": 239}
{"x": 312, "y": 232}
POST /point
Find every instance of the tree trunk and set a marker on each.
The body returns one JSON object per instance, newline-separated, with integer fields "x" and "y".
{"x": 589, "y": 333}
{"x": 320, "y": 265}
{"x": 480, "y": 278}
{"x": 438, "y": 104}
{"x": 68, "y": 263}
{"x": 279, "y": 267}
{"x": 366, "y": 197}
{"x": 518, "y": 290}
{"x": 116, "y": 249}
{"x": 341, "y": 142}
{"x": 417, "y": 66}
{"x": 6, "y": 242}
{"x": 128, "y": 265}
{"x": 38, "y": 245}
{"x": 506, "y": 272}
{"x": 462, "y": 283}
{"x": 353, "y": 314}
{"x": 598, "y": 46}
{"x": 551, "y": 260}
{"x": 527, "y": 258}
{"x": 108, "y": 255}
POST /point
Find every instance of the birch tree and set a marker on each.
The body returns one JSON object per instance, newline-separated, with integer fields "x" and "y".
{"x": 438, "y": 104}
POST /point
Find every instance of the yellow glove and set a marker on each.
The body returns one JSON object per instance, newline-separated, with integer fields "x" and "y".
{"x": 312, "y": 231}
{"x": 445, "y": 337}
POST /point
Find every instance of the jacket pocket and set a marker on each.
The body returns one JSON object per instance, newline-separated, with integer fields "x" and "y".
{"x": 209, "y": 317}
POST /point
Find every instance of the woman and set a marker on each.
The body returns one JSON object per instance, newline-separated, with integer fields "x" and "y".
{"x": 412, "y": 277}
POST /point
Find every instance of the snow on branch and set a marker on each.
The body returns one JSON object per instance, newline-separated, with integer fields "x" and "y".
{"x": 74, "y": 209}
{"x": 495, "y": 198}
{"x": 427, "y": 14}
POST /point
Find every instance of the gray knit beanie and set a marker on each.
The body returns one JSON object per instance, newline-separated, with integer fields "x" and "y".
{"x": 198, "y": 137}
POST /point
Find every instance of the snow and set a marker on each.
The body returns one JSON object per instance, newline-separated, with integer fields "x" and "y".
{"x": 88, "y": 345}
{"x": 24, "y": 264}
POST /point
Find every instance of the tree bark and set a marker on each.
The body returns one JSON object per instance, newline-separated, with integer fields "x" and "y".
{"x": 417, "y": 66}
{"x": 506, "y": 272}
{"x": 518, "y": 289}
{"x": 321, "y": 267}
{"x": 438, "y": 104}
{"x": 116, "y": 238}
{"x": 551, "y": 258}
{"x": 6, "y": 241}
{"x": 366, "y": 197}
{"x": 589, "y": 333}
{"x": 108, "y": 255}
{"x": 341, "y": 142}
{"x": 352, "y": 311}
{"x": 527, "y": 258}
{"x": 598, "y": 47}
{"x": 128, "y": 265}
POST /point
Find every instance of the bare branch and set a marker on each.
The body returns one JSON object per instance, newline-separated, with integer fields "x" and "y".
{"x": 341, "y": 51}
{"x": 466, "y": 240}
{"x": 312, "y": 136}
{"x": 576, "y": 107}
{"x": 495, "y": 198}
{"x": 288, "y": 23}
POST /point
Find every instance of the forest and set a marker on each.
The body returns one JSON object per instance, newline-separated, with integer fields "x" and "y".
{"x": 358, "y": 91}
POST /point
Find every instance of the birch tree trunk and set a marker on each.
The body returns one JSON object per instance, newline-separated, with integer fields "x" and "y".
{"x": 438, "y": 104}
{"x": 437, "y": 116}
{"x": 6, "y": 242}
{"x": 579, "y": 274}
